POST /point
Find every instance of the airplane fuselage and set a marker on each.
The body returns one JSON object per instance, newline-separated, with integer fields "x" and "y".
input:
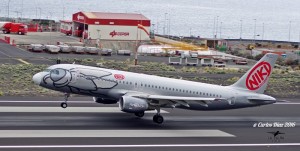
{"x": 112, "y": 84}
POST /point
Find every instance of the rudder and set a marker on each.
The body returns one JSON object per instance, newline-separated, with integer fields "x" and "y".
{"x": 257, "y": 77}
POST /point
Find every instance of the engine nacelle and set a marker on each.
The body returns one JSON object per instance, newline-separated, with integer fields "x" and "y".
{"x": 105, "y": 100}
{"x": 132, "y": 105}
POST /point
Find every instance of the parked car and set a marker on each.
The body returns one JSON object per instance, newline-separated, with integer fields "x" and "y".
{"x": 91, "y": 50}
{"x": 52, "y": 48}
{"x": 36, "y": 47}
{"x": 65, "y": 48}
{"x": 105, "y": 52}
{"x": 241, "y": 62}
{"x": 77, "y": 49}
{"x": 124, "y": 52}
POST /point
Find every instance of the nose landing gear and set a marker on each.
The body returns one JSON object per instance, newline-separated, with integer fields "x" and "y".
{"x": 64, "y": 104}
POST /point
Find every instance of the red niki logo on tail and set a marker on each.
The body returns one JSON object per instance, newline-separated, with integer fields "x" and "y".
{"x": 258, "y": 75}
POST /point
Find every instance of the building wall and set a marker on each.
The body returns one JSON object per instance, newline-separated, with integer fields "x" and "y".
{"x": 113, "y": 32}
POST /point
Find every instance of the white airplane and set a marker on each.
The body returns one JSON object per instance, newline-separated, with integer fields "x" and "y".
{"x": 137, "y": 93}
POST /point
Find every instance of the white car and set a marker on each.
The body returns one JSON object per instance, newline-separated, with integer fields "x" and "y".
{"x": 91, "y": 50}
{"x": 106, "y": 52}
{"x": 77, "y": 49}
{"x": 36, "y": 47}
{"x": 124, "y": 52}
{"x": 65, "y": 48}
{"x": 52, "y": 48}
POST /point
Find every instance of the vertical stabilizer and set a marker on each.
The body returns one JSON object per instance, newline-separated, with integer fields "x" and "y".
{"x": 256, "y": 79}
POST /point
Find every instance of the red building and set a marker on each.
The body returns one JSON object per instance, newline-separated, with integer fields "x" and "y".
{"x": 111, "y": 26}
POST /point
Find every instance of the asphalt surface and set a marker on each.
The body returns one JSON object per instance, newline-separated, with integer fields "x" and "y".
{"x": 14, "y": 55}
{"x": 38, "y": 123}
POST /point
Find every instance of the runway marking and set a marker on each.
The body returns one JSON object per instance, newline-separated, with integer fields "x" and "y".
{"x": 111, "y": 133}
{"x": 87, "y": 101}
{"x": 152, "y": 145}
{"x": 288, "y": 103}
{"x": 23, "y": 61}
{"x": 5, "y": 101}
{"x": 67, "y": 110}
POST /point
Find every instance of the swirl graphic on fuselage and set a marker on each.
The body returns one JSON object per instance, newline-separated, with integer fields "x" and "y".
{"x": 79, "y": 80}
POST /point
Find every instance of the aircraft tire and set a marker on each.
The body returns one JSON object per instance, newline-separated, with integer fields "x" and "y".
{"x": 158, "y": 119}
{"x": 64, "y": 105}
{"x": 139, "y": 114}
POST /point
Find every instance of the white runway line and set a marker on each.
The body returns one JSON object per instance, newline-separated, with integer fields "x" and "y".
{"x": 66, "y": 110}
{"x": 111, "y": 133}
{"x": 5, "y": 101}
{"x": 152, "y": 145}
{"x": 288, "y": 103}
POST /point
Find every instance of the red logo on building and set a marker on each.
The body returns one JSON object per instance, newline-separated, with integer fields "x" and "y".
{"x": 119, "y": 76}
{"x": 258, "y": 75}
{"x": 114, "y": 33}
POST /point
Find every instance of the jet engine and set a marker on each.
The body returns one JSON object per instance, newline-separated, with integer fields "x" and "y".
{"x": 105, "y": 100}
{"x": 132, "y": 105}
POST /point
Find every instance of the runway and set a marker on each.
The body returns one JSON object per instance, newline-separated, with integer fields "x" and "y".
{"x": 38, "y": 123}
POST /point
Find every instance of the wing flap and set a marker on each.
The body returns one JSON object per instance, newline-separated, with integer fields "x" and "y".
{"x": 185, "y": 101}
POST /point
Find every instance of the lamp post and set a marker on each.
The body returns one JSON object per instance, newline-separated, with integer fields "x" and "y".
{"x": 50, "y": 25}
{"x": 254, "y": 34}
{"x": 263, "y": 32}
{"x": 290, "y": 30}
{"x": 221, "y": 30}
{"x": 241, "y": 30}
{"x": 8, "y": 8}
{"x": 217, "y": 27}
{"x": 165, "y": 21}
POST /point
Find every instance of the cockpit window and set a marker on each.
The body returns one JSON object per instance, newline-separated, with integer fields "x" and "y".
{"x": 57, "y": 74}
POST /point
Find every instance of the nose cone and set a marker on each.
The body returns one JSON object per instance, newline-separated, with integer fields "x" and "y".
{"x": 37, "y": 78}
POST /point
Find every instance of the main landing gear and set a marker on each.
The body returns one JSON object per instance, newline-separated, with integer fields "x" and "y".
{"x": 139, "y": 114}
{"x": 157, "y": 118}
{"x": 64, "y": 104}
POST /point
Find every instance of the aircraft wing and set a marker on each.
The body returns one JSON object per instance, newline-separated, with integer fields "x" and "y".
{"x": 173, "y": 100}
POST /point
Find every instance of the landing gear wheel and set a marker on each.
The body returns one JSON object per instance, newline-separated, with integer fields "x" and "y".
{"x": 158, "y": 119}
{"x": 139, "y": 114}
{"x": 64, "y": 105}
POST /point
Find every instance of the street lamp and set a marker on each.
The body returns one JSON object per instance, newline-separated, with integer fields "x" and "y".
{"x": 241, "y": 30}
{"x": 8, "y": 8}
{"x": 217, "y": 26}
{"x": 221, "y": 30}
{"x": 165, "y": 21}
{"x": 290, "y": 30}
{"x": 263, "y": 32}
{"x": 254, "y": 34}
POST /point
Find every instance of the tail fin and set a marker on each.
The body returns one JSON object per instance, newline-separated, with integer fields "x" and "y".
{"x": 256, "y": 79}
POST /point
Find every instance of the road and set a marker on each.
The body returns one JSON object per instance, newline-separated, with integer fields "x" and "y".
{"x": 38, "y": 123}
